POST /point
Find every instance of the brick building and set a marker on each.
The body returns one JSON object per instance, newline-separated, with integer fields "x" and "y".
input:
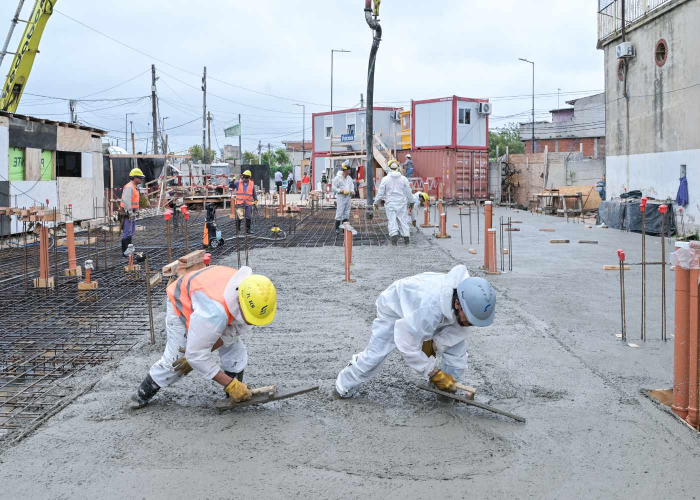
{"x": 580, "y": 129}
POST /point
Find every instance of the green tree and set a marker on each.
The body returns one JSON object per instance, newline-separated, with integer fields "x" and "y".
{"x": 506, "y": 137}
{"x": 250, "y": 158}
{"x": 196, "y": 152}
{"x": 277, "y": 158}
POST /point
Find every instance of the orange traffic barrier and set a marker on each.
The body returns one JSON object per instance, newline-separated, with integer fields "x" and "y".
{"x": 488, "y": 223}
{"x": 693, "y": 329}
{"x": 680, "y": 347}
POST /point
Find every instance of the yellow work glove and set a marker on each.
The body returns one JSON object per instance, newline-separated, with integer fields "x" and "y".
{"x": 429, "y": 348}
{"x": 255, "y": 202}
{"x": 182, "y": 366}
{"x": 238, "y": 391}
{"x": 444, "y": 381}
{"x": 346, "y": 192}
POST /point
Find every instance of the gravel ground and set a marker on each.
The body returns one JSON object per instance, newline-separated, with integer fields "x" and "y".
{"x": 590, "y": 433}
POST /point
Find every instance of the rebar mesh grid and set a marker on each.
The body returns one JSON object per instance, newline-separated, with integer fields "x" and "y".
{"x": 48, "y": 335}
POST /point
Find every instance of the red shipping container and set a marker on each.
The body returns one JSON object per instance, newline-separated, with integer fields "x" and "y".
{"x": 465, "y": 174}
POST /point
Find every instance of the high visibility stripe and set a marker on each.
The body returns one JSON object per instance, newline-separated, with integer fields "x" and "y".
{"x": 186, "y": 282}
{"x": 245, "y": 197}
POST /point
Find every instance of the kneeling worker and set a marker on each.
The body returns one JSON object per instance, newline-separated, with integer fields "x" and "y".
{"x": 209, "y": 310}
{"x": 424, "y": 316}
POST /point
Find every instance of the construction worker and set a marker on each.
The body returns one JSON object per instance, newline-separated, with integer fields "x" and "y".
{"x": 246, "y": 197}
{"x": 305, "y": 186}
{"x": 420, "y": 199}
{"x": 408, "y": 166}
{"x": 209, "y": 310}
{"x": 395, "y": 192}
{"x": 344, "y": 189}
{"x": 278, "y": 181}
{"x": 424, "y": 316}
{"x": 129, "y": 207}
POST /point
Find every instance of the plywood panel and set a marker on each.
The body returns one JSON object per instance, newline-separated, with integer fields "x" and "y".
{"x": 76, "y": 140}
{"x": 590, "y": 196}
{"x": 86, "y": 165}
{"x": 78, "y": 192}
{"x": 32, "y": 164}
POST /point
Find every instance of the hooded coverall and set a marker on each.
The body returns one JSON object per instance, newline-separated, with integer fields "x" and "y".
{"x": 340, "y": 184}
{"x": 395, "y": 190}
{"x": 208, "y": 322}
{"x": 410, "y": 312}
{"x": 414, "y": 208}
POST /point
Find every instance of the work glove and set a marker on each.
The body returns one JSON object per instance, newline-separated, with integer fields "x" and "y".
{"x": 182, "y": 366}
{"x": 414, "y": 224}
{"x": 255, "y": 202}
{"x": 238, "y": 391}
{"x": 444, "y": 381}
{"x": 346, "y": 192}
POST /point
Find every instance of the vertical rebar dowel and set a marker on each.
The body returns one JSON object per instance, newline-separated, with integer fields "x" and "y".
{"x": 150, "y": 303}
{"x": 478, "y": 230}
{"x": 663, "y": 277}
{"x": 246, "y": 244}
{"x": 470, "y": 224}
{"x": 187, "y": 237}
{"x": 644, "y": 278}
{"x": 25, "y": 256}
{"x": 238, "y": 239}
{"x": 170, "y": 247}
{"x": 55, "y": 249}
{"x": 503, "y": 255}
{"x": 623, "y": 319}
{"x": 510, "y": 244}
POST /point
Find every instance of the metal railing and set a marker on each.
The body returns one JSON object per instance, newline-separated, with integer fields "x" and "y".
{"x": 610, "y": 14}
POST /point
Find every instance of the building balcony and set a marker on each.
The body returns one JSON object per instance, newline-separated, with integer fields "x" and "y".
{"x": 610, "y": 15}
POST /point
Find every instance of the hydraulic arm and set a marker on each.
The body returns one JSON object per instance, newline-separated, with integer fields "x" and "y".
{"x": 19, "y": 72}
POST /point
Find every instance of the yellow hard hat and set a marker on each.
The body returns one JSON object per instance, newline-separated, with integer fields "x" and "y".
{"x": 345, "y": 166}
{"x": 136, "y": 172}
{"x": 424, "y": 196}
{"x": 247, "y": 173}
{"x": 394, "y": 165}
{"x": 258, "y": 299}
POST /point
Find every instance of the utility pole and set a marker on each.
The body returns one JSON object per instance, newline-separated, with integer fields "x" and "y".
{"x": 362, "y": 100}
{"x": 209, "y": 129}
{"x": 133, "y": 140}
{"x": 204, "y": 116}
{"x": 240, "y": 146}
{"x": 155, "y": 109}
{"x": 259, "y": 152}
{"x": 269, "y": 154}
{"x": 73, "y": 116}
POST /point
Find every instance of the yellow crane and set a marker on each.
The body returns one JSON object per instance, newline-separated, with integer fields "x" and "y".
{"x": 28, "y": 48}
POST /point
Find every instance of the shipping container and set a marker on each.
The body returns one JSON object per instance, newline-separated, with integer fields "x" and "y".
{"x": 451, "y": 122}
{"x": 463, "y": 174}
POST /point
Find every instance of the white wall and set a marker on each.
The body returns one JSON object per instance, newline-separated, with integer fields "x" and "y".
{"x": 4, "y": 155}
{"x": 433, "y": 124}
{"x": 657, "y": 175}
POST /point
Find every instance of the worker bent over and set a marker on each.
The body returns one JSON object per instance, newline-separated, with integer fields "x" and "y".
{"x": 420, "y": 199}
{"x": 395, "y": 192}
{"x": 426, "y": 318}
{"x": 209, "y": 310}
{"x": 344, "y": 189}
{"x": 246, "y": 197}
{"x": 129, "y": 207}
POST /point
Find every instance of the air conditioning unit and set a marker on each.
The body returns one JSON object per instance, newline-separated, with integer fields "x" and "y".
{"x": 625, "y": 50}
{"x": 485, "y": 108}
{"x": 396, "y": 116}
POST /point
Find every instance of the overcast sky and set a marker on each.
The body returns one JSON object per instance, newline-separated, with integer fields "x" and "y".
{"x": 431, "y": 49}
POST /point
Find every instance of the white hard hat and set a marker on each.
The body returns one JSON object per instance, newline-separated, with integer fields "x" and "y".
{"x": 394, "y": 165}
{"x": 478, "y": 300}
{"x": 408, "y": 156}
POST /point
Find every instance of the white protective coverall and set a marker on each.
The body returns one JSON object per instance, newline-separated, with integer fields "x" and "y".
{"x": 341, "y": 184}
{"x": 208, "y": 323}
{"x": 395, "y": 191}
{"x": 414, "y": 208}
{"x": 409, "y": 312}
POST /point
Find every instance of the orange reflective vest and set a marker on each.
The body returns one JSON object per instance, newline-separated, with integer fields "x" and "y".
{"x": 135, "y": 196}
{"x": 211, "y": 280}
{"x": 244, "y": 195}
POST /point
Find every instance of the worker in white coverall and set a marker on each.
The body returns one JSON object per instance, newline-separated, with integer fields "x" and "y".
{"x": 208, "y": 311}
{"x": 344, "y": 189}
{"x": 426, "y": 318}
{"x": 419, "y": 199}
{"x": 395, "y": 192}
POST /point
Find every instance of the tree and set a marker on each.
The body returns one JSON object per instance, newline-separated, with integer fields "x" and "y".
{"x": 506, "y": 137}
{"x": 196, "y": 152}
{"x": 250, "y": 158}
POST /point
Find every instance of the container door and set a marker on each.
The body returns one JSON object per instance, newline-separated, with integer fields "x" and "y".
{"x": 463, "y": 188}
{"x": 481, "y": 175}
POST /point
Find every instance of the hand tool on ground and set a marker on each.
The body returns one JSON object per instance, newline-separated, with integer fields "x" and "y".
{"x": 623, "y": 309}
{"x": 472, "y": 403}
{"x": 264, "y": 395}
{"x": 471, "y": 391}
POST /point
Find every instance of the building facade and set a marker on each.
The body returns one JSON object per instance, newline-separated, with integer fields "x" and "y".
{"x": 653, "y": 98}
{"x": 578, "y": 129}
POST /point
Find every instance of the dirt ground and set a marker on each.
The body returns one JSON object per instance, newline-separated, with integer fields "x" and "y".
{"x": 551, "y": 356}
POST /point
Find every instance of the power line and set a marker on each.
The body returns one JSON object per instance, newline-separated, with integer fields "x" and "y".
{"x": 111, "y": 88}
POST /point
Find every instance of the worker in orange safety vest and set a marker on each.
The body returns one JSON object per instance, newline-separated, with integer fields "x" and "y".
{"x": 208, "y": 311}
{"x": 129, "y": 207}
{"x": 246, "y": 197}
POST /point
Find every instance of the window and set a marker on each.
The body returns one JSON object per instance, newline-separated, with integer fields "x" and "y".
{"x": 68, "y": 164}
{"x": 351, "y": 129}
{"x": 329, "y": 131}
{"x": 465, "y": 116}
{"x": 661, "y": 52}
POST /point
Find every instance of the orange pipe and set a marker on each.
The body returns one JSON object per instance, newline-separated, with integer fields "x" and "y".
{"x": 351, "y": 244}
{"x": 426, "y": 217}
{"x": 693, "y": 325}
{"x": 44, "y": 251}
{"x": 347, "y": 257}
{"x": 680, "y": 344}
{"x": 70, "y": 240}
{"x": 491, "y": 249}
{"x": 488, "y": 222}
{"x": 88, "y": 271}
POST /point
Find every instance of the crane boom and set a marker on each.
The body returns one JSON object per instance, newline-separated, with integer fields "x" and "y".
{"x": 23, "y": 61}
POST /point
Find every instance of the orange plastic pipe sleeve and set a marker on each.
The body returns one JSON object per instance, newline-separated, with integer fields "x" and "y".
{"x": 70, "y": 241}
{"x": 491, "y": 248}
{"x": 488, "y": 219}
{"x": 44, "y": 251}
{"x": 693, "y": 328}
{"x": 88, "y": 271}
{"x": 680, "y": 345}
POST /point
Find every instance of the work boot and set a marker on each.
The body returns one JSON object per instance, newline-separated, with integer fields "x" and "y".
{"x": 406, "y": 240}
{"x": 238, "y": 225}
{"x": 247, "y": 225}
{"x": 145, "y": 393}
{"x": 395, "y": 240}
{"x": 337, "y": 227}
{"x": 125, "y": 244}
{"x": 414, "y": 224}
